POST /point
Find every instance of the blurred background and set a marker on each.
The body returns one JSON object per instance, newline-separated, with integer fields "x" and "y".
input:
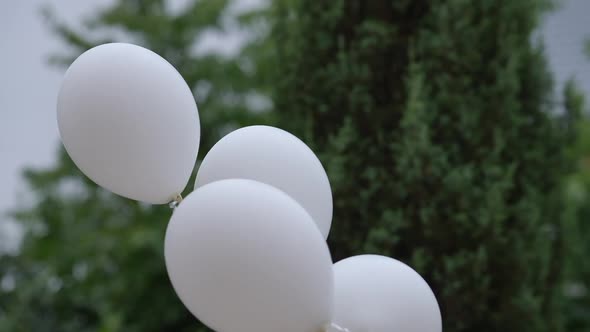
{"x": 455, "y": 135}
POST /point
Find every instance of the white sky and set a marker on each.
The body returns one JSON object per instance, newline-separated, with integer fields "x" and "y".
{"x": 28, "y": 91}
{"x": 565, "y": 31}
{"x": 28, "y": 86}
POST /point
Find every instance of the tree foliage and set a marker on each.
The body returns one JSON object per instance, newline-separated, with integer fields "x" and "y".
{"x": 575, "y": 215}
{"x": 435, "y": 123}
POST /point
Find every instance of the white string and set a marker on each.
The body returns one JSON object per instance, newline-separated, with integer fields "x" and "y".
{"x": 335, "y": 327}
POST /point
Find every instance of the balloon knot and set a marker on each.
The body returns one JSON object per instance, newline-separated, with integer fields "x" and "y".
{"x": 174, "y": 203}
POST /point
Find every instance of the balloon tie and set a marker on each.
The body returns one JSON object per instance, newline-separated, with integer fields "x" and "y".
{"x": 334, "y": 327}
{"x": 174, "y": 203}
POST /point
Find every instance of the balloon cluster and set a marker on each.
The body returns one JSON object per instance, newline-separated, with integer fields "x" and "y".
{"x": 246, "y": 250}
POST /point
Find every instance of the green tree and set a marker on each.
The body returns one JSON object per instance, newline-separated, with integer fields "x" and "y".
{"x": 577, "y": 228}
{"x": 93, "y": 261}
{"x": 434, "y": 121}
{"x": 575, "y": 215}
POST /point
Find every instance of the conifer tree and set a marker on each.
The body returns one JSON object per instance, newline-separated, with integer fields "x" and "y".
{"x": 434, "y": 121}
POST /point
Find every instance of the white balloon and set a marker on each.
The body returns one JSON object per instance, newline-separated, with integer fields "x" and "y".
{"x": 245, "y": 257}
{"x": 129, "y": 121}
{"x": 275, "y": 157}
{"x": 380, "y": 294}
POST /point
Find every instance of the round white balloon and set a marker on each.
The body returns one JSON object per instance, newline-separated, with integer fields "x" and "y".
{"x": 129, "y": 121}
{"x": 245, "y": 257}
{"x": 275, "y": 157}
{"x": 380, "y": 294}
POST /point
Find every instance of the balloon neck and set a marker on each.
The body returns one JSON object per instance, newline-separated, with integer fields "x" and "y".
{"x": 335, "y": 328}
{"x": 174, "y": 203}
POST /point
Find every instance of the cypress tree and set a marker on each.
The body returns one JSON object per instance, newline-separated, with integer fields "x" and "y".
{"x": 433, "y": 120}
{"x": 576, "y": 229}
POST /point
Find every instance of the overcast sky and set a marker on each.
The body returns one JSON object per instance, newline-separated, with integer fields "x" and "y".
{"x": 28, "y": 86}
